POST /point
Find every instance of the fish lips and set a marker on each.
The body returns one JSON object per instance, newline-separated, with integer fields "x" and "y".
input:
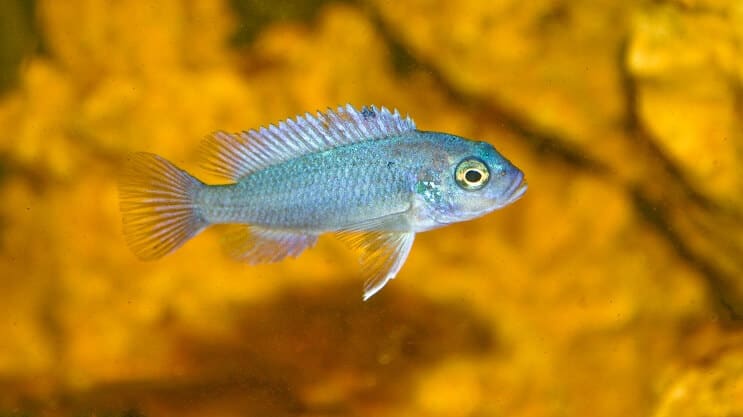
{"x": 515, "y": 191}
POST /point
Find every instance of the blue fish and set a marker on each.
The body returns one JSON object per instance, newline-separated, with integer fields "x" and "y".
{"x": 368, "y": 176}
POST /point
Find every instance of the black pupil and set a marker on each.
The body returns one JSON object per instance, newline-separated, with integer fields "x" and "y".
{"x": 472, "y": 176}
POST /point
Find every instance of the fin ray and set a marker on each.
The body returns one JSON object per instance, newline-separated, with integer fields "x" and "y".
{"x": 255, "y": 244}
{"x": 156, "y": 200}
{"x": 381, "y": 254}
{"x": 234, "y": 156}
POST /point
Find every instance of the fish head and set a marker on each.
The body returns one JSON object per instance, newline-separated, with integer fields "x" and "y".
{"x": 471, "y": 179}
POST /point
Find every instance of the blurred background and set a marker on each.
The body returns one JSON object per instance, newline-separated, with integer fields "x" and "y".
{"x": 613, "y": 288}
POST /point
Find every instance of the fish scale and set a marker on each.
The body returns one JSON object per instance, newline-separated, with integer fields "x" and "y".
{"x": 368, "y": 176}
{"x": 290, "y": 195}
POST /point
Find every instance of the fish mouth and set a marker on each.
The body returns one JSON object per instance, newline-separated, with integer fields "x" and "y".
{"x": 516, "y": 190}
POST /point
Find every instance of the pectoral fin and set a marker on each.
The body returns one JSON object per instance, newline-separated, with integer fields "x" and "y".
{"x": 381, "y": 254}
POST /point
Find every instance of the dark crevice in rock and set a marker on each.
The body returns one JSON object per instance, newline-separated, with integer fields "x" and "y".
{"x": 657, "y": 203}
{"x": 724, "y": 296}
{"x": 283, "y": 348}
{"x": 636, "y": 131}
{"x": 255, "y": 15}
{"x": 680, "y": 193}
{"x": 541, "y": 140}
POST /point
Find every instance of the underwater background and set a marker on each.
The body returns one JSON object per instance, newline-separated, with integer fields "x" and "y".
{"x": 614, "y": 287}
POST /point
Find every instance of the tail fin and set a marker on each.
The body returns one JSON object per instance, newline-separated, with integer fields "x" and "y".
{"x": 157, "y": 206}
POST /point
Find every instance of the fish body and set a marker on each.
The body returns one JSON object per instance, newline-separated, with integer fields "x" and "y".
{"x": 368, "y": 176}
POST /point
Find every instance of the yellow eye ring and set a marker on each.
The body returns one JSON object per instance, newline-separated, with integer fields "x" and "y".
{"x": 472, "y": 174}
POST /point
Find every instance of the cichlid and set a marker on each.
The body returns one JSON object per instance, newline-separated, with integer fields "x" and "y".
{"x": 368, "y": 176}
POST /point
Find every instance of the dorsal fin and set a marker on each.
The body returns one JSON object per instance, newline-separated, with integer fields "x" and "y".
{"x": 234, "y": 156}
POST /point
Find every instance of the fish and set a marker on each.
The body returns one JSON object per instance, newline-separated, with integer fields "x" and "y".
{"x": 367, "y": 176}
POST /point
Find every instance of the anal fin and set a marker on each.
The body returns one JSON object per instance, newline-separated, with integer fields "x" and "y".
{"x": 256, "y": 244}
{"x": 381, "y": 254}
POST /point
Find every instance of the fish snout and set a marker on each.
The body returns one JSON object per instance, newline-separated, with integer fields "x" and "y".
{"x": 514, "y": 190}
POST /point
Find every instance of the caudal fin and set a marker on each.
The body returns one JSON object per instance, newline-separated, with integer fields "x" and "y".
{"x": 157, "y": 205}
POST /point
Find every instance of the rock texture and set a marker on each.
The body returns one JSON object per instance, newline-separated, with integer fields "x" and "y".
{"x": 613, "y": 288}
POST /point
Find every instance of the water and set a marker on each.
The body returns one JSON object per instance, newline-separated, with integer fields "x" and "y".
{"x": 611, "y": 287}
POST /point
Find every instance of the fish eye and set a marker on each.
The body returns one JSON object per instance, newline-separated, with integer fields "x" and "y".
{"x": 472, "y": 174}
